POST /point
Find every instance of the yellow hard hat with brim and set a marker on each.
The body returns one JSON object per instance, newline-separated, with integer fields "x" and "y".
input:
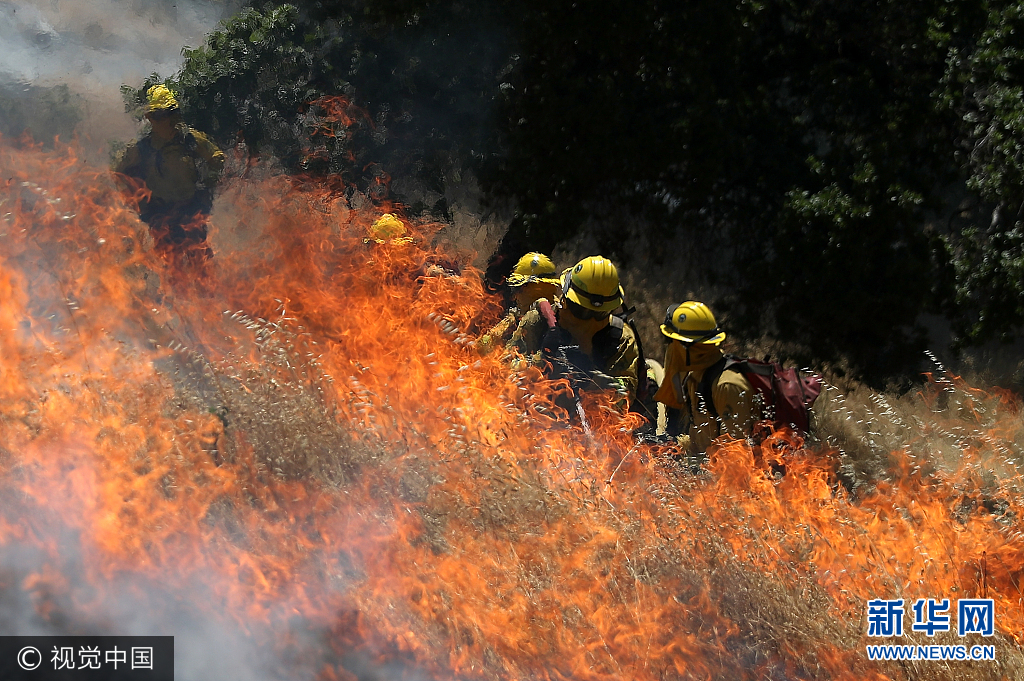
{"x": 160, "y": 99}
{"x": 533, "y": 268}
{"x": 386, "y": 228}
{"x": 593, "y": 283}
{"x": 692, "y": 322}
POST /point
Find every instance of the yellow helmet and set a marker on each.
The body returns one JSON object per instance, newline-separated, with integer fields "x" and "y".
{"x": 160, "y": 98}
{"x": 387, "y": 226}
{"x": 692, "y": 322}
{"x": 594, "y": 284}
{"x": 533, "y": 267}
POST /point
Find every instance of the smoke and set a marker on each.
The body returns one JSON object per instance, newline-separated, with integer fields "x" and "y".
{"x": 91, "y": 48}
{"x": 128, "y": 605}
{"x": 51, "y": 584}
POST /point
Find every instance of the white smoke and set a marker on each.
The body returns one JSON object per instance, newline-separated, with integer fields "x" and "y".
{"x": 95, "y": 46}
{"x": 205, "y": 648}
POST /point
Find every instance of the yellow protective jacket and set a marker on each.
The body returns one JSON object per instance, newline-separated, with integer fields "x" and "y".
{"x": 518, "y": 331}
{"x": 173, "y": 169}
{"x": 732, "y": 396}
{"x": 670, "y": 393}
{"x": 528, "y": 335}
{"x": 498, "y": 335}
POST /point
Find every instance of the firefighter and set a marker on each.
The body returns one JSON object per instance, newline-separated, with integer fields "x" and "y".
{"x": 533, "y": 279}
{"x": 694, "y": 352}
{"x": 588, "y": 345}
{"x": 388, "y": 229}
{"x": 388, "y": 232}
{"x": 179, "y": 166}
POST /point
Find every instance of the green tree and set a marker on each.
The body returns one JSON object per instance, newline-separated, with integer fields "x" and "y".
{"x": 984, "y": 85}
{"x": 252, "y": 81}
{"x": 798, "y": 145}
{"x": 418, "y": 80}
{"x": 804, "y": 150}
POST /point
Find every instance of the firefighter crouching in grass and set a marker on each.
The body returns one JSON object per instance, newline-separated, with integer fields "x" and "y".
{"x": 587, "y": 344}
{"x": 179, "y": 166}
{"x": 700, "y": 410}
{"x": 387, "y": 237}
{"x": 533, "y": 279}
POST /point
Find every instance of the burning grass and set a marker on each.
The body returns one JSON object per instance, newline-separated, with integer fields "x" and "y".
{"x": 289, "y": 450}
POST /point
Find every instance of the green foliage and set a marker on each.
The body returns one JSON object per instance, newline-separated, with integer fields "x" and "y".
{"x": 805, "y": 151}
{"x": 854, "y": 266}
{"x": 985, "y": 86}
{"x": 42, "y": 113}
{"x": 254, "y": 77}
{"x": 417, "y": 79}
{"x": 797, "y": 146}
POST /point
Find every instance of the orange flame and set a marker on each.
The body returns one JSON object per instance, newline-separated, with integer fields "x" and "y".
{"x": 329, "y": 124}
{"x": 325, "y": 469}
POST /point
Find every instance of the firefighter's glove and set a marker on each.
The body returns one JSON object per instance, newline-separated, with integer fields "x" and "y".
{"x": 555, "y": 339}
{"x": 586, "y": 374}
{"x": 563, "y": 353}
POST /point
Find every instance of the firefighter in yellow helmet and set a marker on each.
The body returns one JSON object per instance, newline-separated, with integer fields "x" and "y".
{"x": 695, "y": 353}
{"x": 534, "y": 279}
{"x": 179, "y": 166}
{"x": 589, "y": 345}
{"x": 388, "y": 229}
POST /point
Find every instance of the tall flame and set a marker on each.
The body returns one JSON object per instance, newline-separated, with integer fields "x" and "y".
{"x": 294, "y": 445}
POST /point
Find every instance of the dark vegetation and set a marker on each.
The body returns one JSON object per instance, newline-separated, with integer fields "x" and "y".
{"x": 843, "y": 167}
{"x": 44, "y": 114}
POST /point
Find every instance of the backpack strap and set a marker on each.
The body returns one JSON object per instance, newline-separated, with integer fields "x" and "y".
{"x": 705, "y": 389}
{"x": 191, "y": 143}
{"x": 788, "y": 394}
{"x": 145, "y": 151}
{"x": 643, "y": 388}
{"x": 705, "y": 399}
{"x": 606, "y": 341}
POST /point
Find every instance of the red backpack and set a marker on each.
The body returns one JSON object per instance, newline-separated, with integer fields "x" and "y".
{"x": 787, "y": 395}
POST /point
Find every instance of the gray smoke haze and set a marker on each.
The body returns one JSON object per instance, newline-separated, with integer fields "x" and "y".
{"x": 92, "y": 47}
{"x": 204, "y": 648}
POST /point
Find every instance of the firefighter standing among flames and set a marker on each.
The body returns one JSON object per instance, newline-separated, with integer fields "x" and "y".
{"x": 387, "y": 229}
{"x": 695, "y": 352}
{"x": 179, "y": 166}
{"x": 588, "y": 345}
{"x": 534, "y": 279}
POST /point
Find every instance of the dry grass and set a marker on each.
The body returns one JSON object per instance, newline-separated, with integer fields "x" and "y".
{"x": 271, "y": 396}
{"x": 274, "y": 396}
{"x": 318, "y": 522}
